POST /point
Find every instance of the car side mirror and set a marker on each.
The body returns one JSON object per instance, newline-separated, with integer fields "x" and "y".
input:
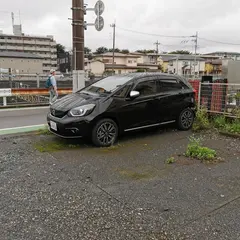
{"x": 134, "y": 94}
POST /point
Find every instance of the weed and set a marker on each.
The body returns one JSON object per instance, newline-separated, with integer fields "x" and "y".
{"x": 233, "y": 127}
{"x": 170, "y": 160}
{"x": 53, "y": 146}
{"x": 196, "y": 150}
{"x": 135, "y": 175}
{"x": 44, "y": 131}
{"x": 201, "y": 121}
{"x": 225, "y": 125}
{"x": 219, "y": 121}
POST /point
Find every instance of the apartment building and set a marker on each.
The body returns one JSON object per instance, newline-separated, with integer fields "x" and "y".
{"x": 45, "y": 47}
{"x": 21, "y": 62}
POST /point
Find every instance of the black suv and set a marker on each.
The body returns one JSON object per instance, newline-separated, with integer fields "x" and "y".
{"x": 123, "y": 103}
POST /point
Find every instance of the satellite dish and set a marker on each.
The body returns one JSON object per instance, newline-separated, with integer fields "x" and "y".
{"x": 99, "y": 8}
{"x": 99, "y": 23}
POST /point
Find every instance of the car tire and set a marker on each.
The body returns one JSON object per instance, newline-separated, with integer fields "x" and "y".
{"x": 105, "y": 133}
{"x": 185, "y": 119}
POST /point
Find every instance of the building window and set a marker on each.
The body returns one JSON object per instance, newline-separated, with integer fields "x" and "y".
{"x": 129, "y": 61}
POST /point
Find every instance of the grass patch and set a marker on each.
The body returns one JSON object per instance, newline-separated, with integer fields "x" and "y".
{"x": 170, "y": 160}
{"x": 196, "y": 150}
{"x": 111, "y": 148}
{"x": 135, "y": 175}
{"x": 225, "y": 125}
{"x": 44, "y": 131}
{"x": 53, "y": 146}
{"x": 222, "y": 123}
{"x": 201, "y": 121}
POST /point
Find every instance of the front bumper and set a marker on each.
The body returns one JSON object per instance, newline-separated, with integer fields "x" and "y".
{"x": 69, "y": 127}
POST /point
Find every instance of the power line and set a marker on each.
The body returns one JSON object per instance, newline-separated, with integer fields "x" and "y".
{"x": 227, "y": 43}
{"x": 174, "y": 36}
{"x": 152, "y": 34}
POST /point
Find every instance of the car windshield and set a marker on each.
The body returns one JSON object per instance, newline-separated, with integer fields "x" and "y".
{"x": 107, "y": 85}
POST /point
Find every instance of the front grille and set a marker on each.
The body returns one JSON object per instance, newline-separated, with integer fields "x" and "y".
{"x": 57, "y": 113}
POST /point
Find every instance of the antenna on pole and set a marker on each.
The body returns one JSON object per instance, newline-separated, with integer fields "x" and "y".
{"x": 114, "y": 41}
{"x": 12, "y": 14}
{"x": 20, "y": 20}
{"x": 157, "y": 44}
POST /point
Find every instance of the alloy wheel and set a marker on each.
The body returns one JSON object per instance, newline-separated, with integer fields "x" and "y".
{"x": 106, "y": 133}
{"x": 187, "y": 119}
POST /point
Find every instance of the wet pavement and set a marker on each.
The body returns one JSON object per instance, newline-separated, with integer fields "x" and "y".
{"x": 50, "y": 189}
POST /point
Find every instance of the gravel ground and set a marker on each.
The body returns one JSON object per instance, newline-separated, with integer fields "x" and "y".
{"x": 51, "y": 189}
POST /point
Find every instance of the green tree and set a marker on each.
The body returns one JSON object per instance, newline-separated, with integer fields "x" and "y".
{"x": 146, "y": 51}
{"x": 60, "y": 49}
{"x": 101, "y": 50}
{"x": 125, "y": 51}
{"x": 180, "y": 52}
{"x": 87, "y": 51}
{"x": 117, "y": 50}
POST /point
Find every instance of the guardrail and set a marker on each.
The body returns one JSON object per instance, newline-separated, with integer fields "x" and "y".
{"x": 33, "y": 96}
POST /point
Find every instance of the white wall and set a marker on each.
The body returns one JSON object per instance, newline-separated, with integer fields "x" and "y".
{"x": 178, "y": 65}
{"x": 96, "y": 67}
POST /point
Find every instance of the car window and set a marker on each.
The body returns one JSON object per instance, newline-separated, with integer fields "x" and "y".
{"x": 169, "y": 85}
{"x": 123, "y": 92}
{"x": 107, "y": 85}
{"x": 146, "y": 88}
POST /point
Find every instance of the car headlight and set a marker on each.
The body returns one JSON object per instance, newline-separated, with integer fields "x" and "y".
{"x": 82, "y": 110}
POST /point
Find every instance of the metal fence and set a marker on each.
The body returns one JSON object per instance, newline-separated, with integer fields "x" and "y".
{"x": 218, "y": 97}
{"x": 29, "y": 97}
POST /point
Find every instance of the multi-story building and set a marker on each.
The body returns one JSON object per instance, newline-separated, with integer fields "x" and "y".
{"x": 44, "y": 47}
{"x": 21, "y": 63}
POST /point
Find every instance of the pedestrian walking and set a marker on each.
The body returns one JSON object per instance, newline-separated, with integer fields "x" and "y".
{"x": 51, "y": 84}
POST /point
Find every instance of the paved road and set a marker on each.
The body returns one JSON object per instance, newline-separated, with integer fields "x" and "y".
{"x": 55, "y": 189}
{"x": 22, "y": 117}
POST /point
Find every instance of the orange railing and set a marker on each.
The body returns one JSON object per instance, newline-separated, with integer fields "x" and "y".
{"x": 38, "y": 91}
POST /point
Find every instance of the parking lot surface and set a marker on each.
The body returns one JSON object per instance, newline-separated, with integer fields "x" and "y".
{"x": 50, "y": 189}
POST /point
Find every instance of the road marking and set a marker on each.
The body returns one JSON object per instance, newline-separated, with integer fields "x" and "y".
{"x": 20, "y": 109}
{"x": 23, "y": 129}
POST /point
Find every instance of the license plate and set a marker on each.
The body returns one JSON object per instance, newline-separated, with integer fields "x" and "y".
{"x": 53, "y": 125}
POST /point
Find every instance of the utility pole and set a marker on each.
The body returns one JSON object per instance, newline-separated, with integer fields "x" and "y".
{"x": 79, "y": 9}
{"x": 157, "y": 44}
{"x": 78, "y": 33}
{"x": 114, "y": 39}
{"x": 195, "y": 57}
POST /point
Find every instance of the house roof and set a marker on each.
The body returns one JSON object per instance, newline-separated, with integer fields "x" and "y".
{"x": 109, "y": 54}
{"x": 147, "y": 64}
{"x": 187, "y": 58}
{"x": 222, "y": 52}
{"x": 215, "y": 61}
{"x": 122, "y": 66}
{"x": 10, "y": 54}
{"x": 166, "y": 58}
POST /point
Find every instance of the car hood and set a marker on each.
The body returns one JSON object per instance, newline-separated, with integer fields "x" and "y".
{"x": 74, "y": 100}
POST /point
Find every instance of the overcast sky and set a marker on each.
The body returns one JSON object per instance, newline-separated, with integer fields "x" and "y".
{"x": 214, "y": 20}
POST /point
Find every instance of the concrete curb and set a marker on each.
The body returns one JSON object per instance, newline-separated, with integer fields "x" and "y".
{"x": 25, "y": 129}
